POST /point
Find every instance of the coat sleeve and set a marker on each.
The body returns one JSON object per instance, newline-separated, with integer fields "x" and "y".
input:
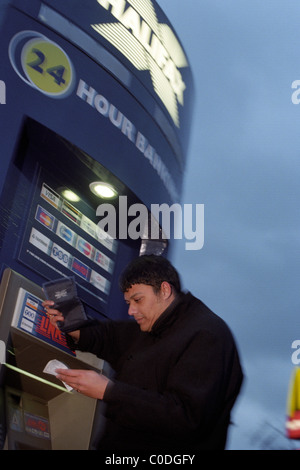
{"x": 108, "y": 340}
{"x": 200, "y": 387}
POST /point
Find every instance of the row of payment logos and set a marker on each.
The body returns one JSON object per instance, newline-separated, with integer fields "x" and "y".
{"x": 73, "y": 239}
{"x": 62, "y": 256}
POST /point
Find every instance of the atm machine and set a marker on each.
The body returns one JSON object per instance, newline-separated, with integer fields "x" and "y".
{"x": 98, "y": 93}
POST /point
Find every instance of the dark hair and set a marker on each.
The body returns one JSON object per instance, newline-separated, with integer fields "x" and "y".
{"x": 151, "y": 270}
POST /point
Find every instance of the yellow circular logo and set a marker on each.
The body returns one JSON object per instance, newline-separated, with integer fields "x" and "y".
{"x": 47, "y": 67}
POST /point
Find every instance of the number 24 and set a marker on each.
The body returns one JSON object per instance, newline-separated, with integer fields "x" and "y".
{"x": 56, "y": 72}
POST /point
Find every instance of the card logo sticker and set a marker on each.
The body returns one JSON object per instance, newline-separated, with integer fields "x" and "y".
{"x": 71, "y": 212}
{"x": 66, "y": 233}
{"x": 45, "y": 218}
{"x": 80, "y": 269}
{"x": 40, "y": 241}
{"x": 60, "y": 255}
{"x": 86, "y": 248}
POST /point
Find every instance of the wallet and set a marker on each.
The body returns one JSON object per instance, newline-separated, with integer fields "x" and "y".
{"x": 63, "y": 293}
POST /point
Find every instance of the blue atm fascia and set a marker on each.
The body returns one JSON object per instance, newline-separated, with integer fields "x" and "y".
{"x": 111, "y": 126}
{"x": 34, "y": 124}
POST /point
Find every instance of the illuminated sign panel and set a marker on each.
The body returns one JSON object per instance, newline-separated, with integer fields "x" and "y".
{"x": 148, "y": 45}
{"x": 134, "y": 40}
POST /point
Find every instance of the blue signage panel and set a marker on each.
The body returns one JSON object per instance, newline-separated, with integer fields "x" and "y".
{"x": 60, "y": 86}
{"x": 129, "y": 36}
{"x": 126, "y": 111}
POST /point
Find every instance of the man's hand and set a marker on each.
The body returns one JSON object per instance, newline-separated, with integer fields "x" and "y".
{"x": 87, "y": 382}
{"x": 55, "y": 316}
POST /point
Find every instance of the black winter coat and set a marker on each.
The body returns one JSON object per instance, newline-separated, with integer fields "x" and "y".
{"x": 174, "y": 387}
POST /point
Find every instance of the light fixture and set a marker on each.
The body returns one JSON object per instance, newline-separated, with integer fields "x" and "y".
{"x": 104, "y": 190}
{"x": 70, "y": 195}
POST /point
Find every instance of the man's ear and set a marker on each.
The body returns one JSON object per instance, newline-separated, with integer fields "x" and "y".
{"x": 166, "y": 290}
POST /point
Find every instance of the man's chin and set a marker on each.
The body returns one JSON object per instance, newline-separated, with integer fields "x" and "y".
{"x": 143, "y": 327}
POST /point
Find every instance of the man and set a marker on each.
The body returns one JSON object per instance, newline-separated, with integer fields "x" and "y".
{"x": 177, "y": 370}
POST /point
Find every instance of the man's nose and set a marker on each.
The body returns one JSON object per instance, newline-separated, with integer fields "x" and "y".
{"x": 131, "y": 309}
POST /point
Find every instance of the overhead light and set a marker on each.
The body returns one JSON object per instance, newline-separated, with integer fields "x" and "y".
{"x": 104, "y": 190}
{"x": 70, "y": 195}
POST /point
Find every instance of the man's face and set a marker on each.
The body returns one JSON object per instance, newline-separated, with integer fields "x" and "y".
{"x": 145, "y": 305}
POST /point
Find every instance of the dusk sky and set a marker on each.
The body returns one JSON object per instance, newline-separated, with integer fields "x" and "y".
{"x": 243, "y": 165}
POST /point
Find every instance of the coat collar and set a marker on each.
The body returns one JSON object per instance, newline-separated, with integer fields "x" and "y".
{"x": 168, "y": 317}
